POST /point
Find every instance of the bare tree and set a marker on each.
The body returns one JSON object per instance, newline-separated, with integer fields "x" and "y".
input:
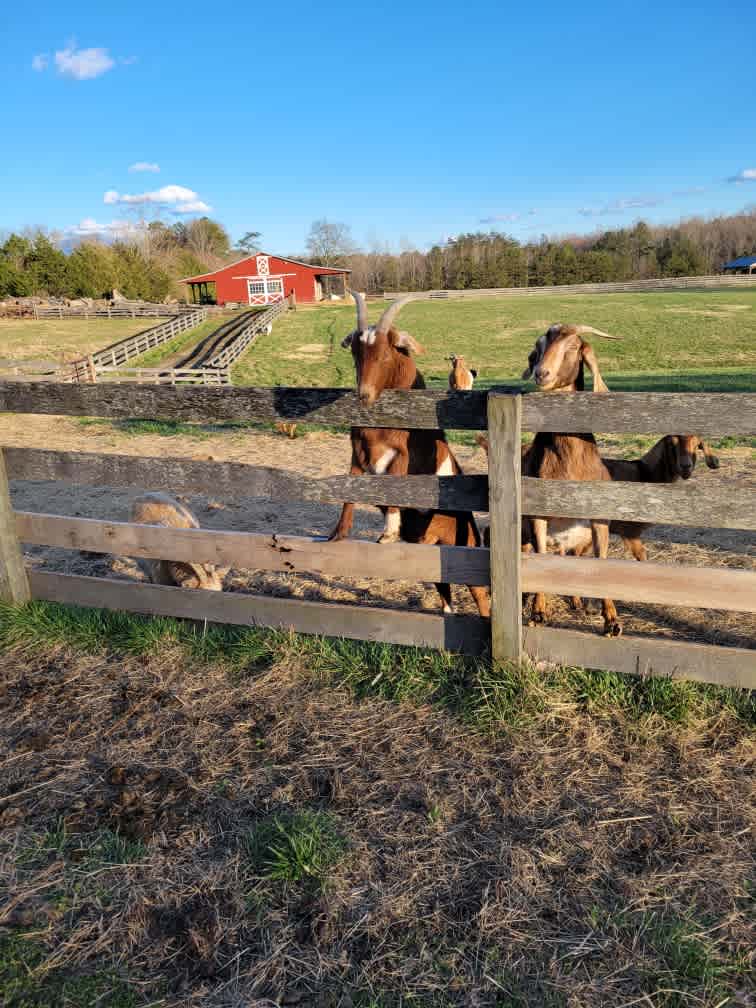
{"x": 329, "y": 242}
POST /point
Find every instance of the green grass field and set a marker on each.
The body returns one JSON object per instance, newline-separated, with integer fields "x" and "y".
{"x": 48, "y": 339}
{"x": 677, "y": 342}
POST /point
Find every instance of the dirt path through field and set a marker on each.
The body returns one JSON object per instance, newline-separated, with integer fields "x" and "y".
{"x": 325, "y": 454}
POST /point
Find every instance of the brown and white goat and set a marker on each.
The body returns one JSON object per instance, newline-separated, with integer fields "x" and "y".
{"x": 557, "y": 364}
{"x": 461, "y": 377}
{"x": 673, "y": 457}
{"x": 160, "y": 509}
{"x": 382, "y": 360}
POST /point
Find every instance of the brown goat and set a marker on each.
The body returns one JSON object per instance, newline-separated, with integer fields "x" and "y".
{"x": 382, "y": 361}
{"x": 673, "y": 457}
{"x": 557, "y": 363}
{"x": 160, "y": 509}
{"x": 461, "y": 377}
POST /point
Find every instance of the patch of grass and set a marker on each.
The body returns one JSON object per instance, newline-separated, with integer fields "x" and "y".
{"x": 295, "y": 847}
{"x": 49, "y": 339}
{"x": 24, "y": 985}
{"x": 680, "y": 954}
{"x": 484, "y": 696}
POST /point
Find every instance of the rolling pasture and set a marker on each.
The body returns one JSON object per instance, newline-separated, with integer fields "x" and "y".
{"x": 216, "y": 817}
{"x": 676, "y": 342}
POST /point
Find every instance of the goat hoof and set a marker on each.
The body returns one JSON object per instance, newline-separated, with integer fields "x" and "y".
{"x": 389, "y": 537}
{"x": 613, "y": 629}
{"x": 336, "y": 536}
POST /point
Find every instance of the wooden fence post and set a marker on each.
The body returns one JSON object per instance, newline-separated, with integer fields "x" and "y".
{"x": 14, "y": 585}
{"x": 504, "y": 495}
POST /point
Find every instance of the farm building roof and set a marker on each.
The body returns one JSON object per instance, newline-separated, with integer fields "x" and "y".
{"x": 740, "y": 262}
{"x": 295, "y": 262}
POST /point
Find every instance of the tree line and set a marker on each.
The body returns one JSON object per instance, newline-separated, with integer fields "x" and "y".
{"x": 145, "y": 267}
{"x": 149, "y": 265}
{"x": 694, "y": 247}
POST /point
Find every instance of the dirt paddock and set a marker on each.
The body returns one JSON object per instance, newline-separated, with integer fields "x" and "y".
{"x": 326, "y": 454}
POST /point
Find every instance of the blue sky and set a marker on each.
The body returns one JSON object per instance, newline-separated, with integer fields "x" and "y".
{"x": 408, "y": 122}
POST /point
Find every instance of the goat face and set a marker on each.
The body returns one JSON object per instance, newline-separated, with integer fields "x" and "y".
{"x": 680, "y": 454}
{"x": 556, "y": 361}
{"x": 374, "y": 349}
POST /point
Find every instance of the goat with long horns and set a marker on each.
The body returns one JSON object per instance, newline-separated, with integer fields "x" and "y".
{"x": 382, "y": 360}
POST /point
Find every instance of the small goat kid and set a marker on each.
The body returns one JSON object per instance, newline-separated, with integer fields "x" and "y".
{"x": 557, "y": 364}
{"x": 382, "y": 361}
{"x": 160, "y": 509}
{"x": 461, "y": 377}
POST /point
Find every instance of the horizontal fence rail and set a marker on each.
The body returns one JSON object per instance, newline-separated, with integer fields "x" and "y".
{"x": 113, "y": 311}
{"x": 713, "y": 502}
{"x": 630, "y": 286}
{"x": 451, "y": 633}
{"x": 677, "y": 503}
{"x": 618, "y": 413}
{"x": 163, "y": 376}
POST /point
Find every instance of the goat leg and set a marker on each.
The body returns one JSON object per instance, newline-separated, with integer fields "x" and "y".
{"x": 344, "y": 525}
{"x": 397, "y": 467}
{"x": 600, "y": 534}
{"x": 539, "y": 528}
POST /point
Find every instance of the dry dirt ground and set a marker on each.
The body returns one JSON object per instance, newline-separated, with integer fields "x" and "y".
{"x": 586, "y": 860}
{"x": 323, "y": 454}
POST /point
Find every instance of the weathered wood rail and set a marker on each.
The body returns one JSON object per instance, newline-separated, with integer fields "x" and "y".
{"x": 628, "y": 287}
{"x": 128, "y": 310}
{"x": 503, "y": 413}
{"x": 117, "y": 354}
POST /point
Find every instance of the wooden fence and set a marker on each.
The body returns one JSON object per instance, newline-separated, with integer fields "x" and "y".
{"x": 632, "y": 286}
{"x": 127, "y": 310}
{"x": 504, "y": 412}
{"x": 260, "y": 322}
{"x": 119, "y": 353}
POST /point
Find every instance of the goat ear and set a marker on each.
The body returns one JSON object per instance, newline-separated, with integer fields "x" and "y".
{"x": 599, "y": 385}
{"x": 347, "y": 341}
{"x": 403, "y": 341}
{"x": 473, "y": 372}
{"x": 710, "y": 458}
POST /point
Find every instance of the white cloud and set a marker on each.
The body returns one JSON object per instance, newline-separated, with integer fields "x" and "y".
{"x": 144, "y": 166}
{"x": 40, "y": 61}
{"x": 507, "y": 218}
{"x": 91, "y": 228}
{"x": 178, "y": 199}
{"x": 83, "y": 64}
{"x": 621, "y": 205}
{"x": 747, "y": 175}
{"x": 192, "y": 206}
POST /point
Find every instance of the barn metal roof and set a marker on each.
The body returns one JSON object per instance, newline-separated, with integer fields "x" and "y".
{"x": 740, "y": 262}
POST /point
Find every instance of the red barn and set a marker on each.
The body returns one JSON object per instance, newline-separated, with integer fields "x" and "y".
{"x": 263, "y": 279}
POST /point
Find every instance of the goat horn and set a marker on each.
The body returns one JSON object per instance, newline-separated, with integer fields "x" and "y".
{"x": 589, "y": 329}
{"x": 359, "y": 300}
{"x": 384, "y": 322}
